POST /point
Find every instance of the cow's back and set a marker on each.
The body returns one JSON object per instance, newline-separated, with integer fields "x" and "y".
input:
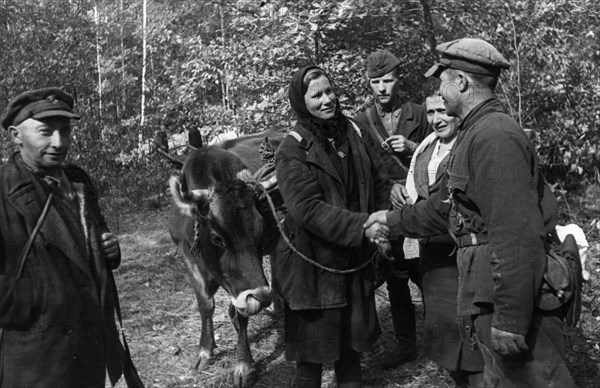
{"x": 247, "y": 148}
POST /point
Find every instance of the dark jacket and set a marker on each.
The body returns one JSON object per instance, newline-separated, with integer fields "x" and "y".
{"x": 318, "y": 221}
{"x": 494, "y": 182}
{"x": 59, "y": 317}
{"x": 412, "y": 124}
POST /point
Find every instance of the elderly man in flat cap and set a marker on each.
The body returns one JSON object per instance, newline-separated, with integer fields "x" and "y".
{"x": 397, "y": 127}
{"x": 493, "y": 208}
{"x": 57, "y": 326}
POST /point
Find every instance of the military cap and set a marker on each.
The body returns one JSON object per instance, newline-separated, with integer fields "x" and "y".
{"x": 381, "y": 62}
{"x": 37, "y": 104}
{"x": 471, "y": 55}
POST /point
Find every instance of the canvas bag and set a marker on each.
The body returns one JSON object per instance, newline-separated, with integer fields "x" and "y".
{"x": 562, "y": 282}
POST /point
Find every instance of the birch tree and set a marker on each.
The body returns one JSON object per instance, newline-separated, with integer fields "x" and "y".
{"x": 144, "y": 49}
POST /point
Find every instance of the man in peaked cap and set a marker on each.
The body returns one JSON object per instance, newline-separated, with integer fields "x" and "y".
{"x": 397, "y": 128}
{"x": 492, "y": 206}
{"x": 57, "y": 325}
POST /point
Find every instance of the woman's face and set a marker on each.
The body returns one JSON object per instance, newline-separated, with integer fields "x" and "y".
{"x": 320, "y": 99}
{"x": 445, "y": 126}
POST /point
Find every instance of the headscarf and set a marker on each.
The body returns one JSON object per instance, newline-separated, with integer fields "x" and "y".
{"x": 322, "y": 129}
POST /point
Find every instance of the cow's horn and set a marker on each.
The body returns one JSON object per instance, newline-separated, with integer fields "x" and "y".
{"x": 245, "y": 175}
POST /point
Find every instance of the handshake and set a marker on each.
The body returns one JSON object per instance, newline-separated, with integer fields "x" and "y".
{"x": 376, "y": 228}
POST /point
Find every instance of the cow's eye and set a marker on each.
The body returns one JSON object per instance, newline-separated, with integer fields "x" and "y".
{"x": 216, "y": 240}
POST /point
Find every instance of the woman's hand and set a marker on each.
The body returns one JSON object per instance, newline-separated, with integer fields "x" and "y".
{"x": 376, "y": 229}
{"x": 398, "y": 196}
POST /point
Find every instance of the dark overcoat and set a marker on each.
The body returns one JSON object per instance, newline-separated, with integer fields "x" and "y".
{"x": 58, "y": 319}
{"x": 318, "y": 221}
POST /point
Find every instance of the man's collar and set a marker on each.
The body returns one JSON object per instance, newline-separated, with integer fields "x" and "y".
{"x": 396, "y": 111}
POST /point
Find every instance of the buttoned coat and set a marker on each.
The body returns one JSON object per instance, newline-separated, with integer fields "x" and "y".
{"x": 318, "y": 221}
{"x": 58, "y": 319}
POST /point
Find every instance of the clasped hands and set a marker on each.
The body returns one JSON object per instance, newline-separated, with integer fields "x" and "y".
{"x": 376, "y": 228}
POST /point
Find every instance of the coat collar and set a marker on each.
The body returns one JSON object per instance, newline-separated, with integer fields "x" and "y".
{"x": 483, "y": 109}
{"x": 27, "y": 195}
{"x": 315, "y": 154}
{"x": 405, "y": 125}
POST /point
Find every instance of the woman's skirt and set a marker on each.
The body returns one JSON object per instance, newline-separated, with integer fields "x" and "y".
{"x": 320, "y": 335}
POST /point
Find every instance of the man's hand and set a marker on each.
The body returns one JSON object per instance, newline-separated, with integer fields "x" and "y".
{"x": 508, "y": 344}
{"x": 376, "y": 229}
{"x": 110, "y": 246}
{"x": 398, "y": 196}
{"x": 377, "y": 217}
{"x": 401, "y": 144}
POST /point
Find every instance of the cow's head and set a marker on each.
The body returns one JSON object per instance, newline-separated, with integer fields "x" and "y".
{"x": 227, "y": 237}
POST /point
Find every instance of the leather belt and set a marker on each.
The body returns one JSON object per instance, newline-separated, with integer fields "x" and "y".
{"x": 471, "y": 239}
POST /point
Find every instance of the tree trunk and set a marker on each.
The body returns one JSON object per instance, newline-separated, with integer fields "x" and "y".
{"x": 225, "y": 86}
{"x": 143, "y": 102}
{"x": 429, "y": 27}
{"x": 97, "y": 22}
{"x": 123, "y": 98}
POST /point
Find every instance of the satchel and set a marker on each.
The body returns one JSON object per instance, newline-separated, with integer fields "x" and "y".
{"x": 562, "y": 282}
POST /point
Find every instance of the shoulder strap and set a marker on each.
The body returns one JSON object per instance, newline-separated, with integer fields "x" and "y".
{"x": 130, "y": 373}
{"x": 21, "y": 265}
{"x": 295, "y": 135}
{"x": 356, "y": 128}
{"x": 383, "y": 143}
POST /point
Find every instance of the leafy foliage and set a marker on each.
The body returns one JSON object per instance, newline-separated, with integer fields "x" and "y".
{"x": 224, "y": 66}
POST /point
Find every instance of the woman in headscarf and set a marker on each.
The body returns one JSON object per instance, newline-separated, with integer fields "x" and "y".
{"x": 330, "y": 182}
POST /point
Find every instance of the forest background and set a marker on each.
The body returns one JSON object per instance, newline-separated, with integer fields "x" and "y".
{"x": 138, "y": 66}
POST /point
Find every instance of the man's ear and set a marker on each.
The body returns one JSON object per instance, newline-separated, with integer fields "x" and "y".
{"x": 462, "y": 81}
{"x": 15, "y": 133}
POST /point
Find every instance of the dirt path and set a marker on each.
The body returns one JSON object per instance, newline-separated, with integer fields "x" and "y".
{"x": 163, "y": 325}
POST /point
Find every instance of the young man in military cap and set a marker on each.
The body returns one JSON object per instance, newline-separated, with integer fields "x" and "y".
{"x": 57, "y": 326}
{"x": 397, "y": 127}
{"x": 493, "y": 207}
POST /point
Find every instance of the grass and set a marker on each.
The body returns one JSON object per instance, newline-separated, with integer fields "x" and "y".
{"x": 162, "y": 321}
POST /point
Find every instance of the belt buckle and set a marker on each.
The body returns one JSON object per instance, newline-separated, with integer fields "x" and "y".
{"x": 385, "y": 145}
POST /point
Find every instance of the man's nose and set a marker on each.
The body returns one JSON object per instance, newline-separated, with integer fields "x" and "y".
{"x": 57, "y": 139}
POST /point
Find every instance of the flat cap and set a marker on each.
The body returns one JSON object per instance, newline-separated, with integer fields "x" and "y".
{"x": 37, "y": 104}
{"x": 471, "y": 55}
{"x": 381, "y": 62}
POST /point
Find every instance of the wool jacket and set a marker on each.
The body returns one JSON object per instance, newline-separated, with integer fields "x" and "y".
{"x": 58, "y": 318}
{"x": 493, "y": 180}
{"x": 412, "y": 124}
{"x": 318, "y": 222}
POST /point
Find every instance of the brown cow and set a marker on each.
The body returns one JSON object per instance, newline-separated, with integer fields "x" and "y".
{"x": 220, "y": 233}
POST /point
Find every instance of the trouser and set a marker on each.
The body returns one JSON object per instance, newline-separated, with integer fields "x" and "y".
{"x": 401, "y": 305}
{"x": 542, "y": 366}
{"x": 347, "y": 371}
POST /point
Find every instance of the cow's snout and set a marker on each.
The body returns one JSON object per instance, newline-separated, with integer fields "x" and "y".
{"x": 250, "y": 302}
